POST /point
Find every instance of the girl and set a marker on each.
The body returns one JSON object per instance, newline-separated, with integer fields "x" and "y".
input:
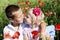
{"x": 38, "y": 19}
{"x": 37, "y": 16}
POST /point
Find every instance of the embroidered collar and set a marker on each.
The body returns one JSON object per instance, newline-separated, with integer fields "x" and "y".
{"x": 12, "y": 27}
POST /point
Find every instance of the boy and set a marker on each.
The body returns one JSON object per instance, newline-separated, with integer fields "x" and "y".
{"x": 13, "y": 31}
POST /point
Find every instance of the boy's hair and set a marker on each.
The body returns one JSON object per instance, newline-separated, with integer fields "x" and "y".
{"x": 9, "y": 9}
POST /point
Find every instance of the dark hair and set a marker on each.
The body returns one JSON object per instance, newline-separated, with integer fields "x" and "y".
{"x": 9, "y": 9}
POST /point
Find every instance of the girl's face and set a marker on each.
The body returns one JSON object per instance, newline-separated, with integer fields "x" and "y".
{"x": 28, "y": 19}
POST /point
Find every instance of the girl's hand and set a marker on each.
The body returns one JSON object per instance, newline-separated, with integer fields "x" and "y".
{"x": 25, "y": 37}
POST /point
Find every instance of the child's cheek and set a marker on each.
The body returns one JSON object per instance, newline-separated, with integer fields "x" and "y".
{"x": 29, "y": 21}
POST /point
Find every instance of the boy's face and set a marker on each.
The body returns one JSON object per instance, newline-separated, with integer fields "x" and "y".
{"x": 18, "y": 16}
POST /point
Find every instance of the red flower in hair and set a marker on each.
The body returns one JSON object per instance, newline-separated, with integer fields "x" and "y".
{"x": 16, "y": 35}
{"x": 36, "y": 11}
{"x": 57, "y": 27}
{"x": 35, "y": 33}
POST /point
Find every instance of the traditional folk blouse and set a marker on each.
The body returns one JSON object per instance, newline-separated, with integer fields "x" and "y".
{"x": 33, "y": 32}
{"x": 10, "y": 33}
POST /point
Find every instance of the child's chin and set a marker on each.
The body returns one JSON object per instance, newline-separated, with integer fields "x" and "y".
{"x": 29, "y": 23}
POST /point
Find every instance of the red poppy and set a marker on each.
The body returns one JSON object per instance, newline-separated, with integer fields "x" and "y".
{"x": 27, "y": 2}
{"x": 41, "y": 3}
{"x": 50, "y": 13}
{"x": 16, "y": 35}
{"x": 18, "y": 3}
{"x": 22, "y": 3}
{"x": 25, "y": 13}
{"x": 7, "y": 35}
{"x": 46, "y": 13}
{"x": 38, "y": 1}
{"x": 35, "y": 33}
{"x": 27, "y": 7}
{"x": 57, "y": 27}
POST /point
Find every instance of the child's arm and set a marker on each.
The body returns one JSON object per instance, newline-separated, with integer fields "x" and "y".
{"x": 42, "y": 31}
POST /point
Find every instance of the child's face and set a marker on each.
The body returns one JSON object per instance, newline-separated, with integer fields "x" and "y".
{"x": 28, "y": 19}
{"x": 18, "y": 16}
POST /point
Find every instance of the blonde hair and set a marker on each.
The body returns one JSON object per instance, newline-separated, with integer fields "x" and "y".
{"x": 40, "y": 17}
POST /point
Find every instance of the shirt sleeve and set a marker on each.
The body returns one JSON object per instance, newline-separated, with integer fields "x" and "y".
{"x": 51, "y": 31}
{"x": 6, "y": 34}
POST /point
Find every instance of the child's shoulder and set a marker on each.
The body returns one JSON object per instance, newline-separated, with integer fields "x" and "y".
{"x": 6, "y": 28}
{"x": 50, "y": 27}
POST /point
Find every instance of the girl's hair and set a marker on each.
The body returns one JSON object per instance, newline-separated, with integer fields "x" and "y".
{"x": 40, "y": 17}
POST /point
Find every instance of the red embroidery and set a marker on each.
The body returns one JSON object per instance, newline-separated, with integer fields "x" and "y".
{"x": 16, "y": 35}
{"x": 7, "y": 35}
{"x": 35, "y": 33}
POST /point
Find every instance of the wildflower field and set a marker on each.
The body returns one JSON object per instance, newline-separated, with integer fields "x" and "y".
{"x": 51, "y": 9}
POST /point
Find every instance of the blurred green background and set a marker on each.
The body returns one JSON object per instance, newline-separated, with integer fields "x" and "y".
{"x": 51, "y": 9}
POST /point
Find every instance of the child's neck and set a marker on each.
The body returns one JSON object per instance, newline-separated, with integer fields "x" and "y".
{"x": 16, "y": 28}
{"x": 15, "y": 25}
